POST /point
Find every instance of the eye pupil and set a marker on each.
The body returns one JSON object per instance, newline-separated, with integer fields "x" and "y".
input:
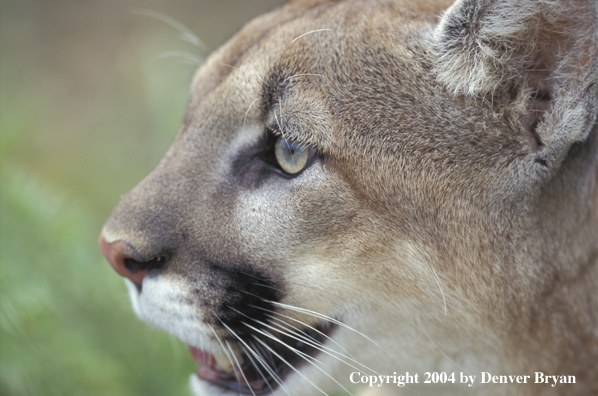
{"x": 292, "y": 158}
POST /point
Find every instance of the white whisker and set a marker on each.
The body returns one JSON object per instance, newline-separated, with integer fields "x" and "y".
{"x": 189, "y": 57}
{"x": 251, "y": 71}
{"x": 263, "y": 299}
{"x": 301, "y": 74}
{"x": 440, "y": 287}
{"x": 328, "y": 318}
{"x": 282, "y": 331}
{"x": 279, "y": 125}
{"x": 266, "y": 353}
{"x": 320, "y": 289}
{"x": 291, "y": 366}
{"x": 254, "y": 57}
{"x": 303, "y": 355}
{"x": 274, "y": 338}
{"x": 278, "y": 331}
{"x": 248, "y": 354}
{"x": 222, "y": 345}
{"x": 305, "y": 325}
{"x": 321, "y": 347}
{"x": 240, "y": 369}
{"x": 247, "y": 112}
{"x": 274, "y": 375}
{"x": 313, "y": 31}
{"x": 314, "y": 344}
{"x": 186, "y": 34}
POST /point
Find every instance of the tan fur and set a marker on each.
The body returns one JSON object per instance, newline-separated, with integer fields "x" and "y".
{"x": 451, "y": 217}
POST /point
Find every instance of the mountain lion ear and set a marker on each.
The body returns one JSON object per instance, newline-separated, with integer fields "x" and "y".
{"x": 541, "y": 53}
{"x": 486, "y": 44}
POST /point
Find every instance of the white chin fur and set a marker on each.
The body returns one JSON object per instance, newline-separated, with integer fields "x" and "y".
{"x": 203, "y": 388}
{"x": 199, "y": 387}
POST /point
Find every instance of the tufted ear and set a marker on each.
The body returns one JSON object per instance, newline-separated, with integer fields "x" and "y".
{"x": 543, "y": 53}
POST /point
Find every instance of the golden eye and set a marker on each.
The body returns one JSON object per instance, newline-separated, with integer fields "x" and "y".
{"x": 292, "y": 158}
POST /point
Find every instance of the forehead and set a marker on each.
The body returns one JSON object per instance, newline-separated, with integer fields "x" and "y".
{"x": 304, "y": 33}
{"x": 321, "y": 47}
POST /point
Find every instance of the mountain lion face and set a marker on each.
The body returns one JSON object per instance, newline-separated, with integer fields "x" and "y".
{"x": 379, "y": 187}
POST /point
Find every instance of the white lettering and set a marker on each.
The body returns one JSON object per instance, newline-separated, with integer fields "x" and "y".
{"x": 539, "y": 377}
{"x": 486, "y": 377}
{"x": 464, "y": 379}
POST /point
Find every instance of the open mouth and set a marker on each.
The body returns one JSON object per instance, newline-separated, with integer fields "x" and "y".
{"x": 259, "y": 365}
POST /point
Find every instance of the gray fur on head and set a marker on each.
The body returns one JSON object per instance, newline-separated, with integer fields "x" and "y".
{"x": 540, "y": 53}
{"x": 485, "y": 45}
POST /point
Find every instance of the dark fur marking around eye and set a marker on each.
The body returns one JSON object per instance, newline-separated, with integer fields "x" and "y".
{"x": 257, "y": 163}
{"x": 249, "y": 166}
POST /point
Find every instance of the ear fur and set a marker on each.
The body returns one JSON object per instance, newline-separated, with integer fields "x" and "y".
{"x": 485, "y": 44}
{"x": 542, "y": 53}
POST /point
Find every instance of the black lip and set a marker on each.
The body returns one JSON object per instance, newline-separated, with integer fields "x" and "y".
{"x": 262, "y": 378}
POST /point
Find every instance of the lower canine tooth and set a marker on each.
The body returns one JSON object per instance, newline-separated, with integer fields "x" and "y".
{"x": 227, "y": 362}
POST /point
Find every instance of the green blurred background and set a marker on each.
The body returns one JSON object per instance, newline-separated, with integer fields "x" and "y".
{"x": 91, "y": 95}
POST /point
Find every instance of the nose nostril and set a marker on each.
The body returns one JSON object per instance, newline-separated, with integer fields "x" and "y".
{"x": 126, "y": 261}
{"x": 135, "y": 266}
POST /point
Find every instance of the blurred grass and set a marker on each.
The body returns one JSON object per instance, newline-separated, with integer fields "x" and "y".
{"x": 65, "y": 323}
{"x": 87, "y": 108}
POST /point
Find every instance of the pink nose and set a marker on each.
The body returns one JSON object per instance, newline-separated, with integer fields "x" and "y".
{"x": 118, "y": 254}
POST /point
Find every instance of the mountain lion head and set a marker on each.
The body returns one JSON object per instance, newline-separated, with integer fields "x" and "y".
{"x": 361, "y": 189}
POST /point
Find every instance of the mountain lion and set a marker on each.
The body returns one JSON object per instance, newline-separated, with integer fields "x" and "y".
{"x": 399, "y": 194}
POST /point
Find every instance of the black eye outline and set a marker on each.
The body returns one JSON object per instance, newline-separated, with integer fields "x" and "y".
{"x": 268, "y": 156}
